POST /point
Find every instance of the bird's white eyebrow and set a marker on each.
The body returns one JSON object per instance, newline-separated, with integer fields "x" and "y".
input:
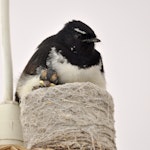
{"x": 80, "y": 31}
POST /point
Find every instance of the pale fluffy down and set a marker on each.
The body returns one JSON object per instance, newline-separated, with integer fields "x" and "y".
{"x": 26, "y": 84}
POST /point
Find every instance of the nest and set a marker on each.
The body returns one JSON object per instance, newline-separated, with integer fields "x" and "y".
{"x": 68, "y": 117}
{"x": 11, "y": 147}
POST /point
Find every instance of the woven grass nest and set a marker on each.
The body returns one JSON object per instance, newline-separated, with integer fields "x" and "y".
{"x": 73, "y": 116}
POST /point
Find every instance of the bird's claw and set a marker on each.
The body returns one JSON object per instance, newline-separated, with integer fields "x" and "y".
{"x": 44, "y": 83}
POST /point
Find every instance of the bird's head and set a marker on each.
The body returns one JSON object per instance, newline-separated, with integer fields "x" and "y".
{"x": 78, "y": 37}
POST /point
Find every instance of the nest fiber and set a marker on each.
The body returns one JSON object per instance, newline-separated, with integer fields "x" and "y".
{"x": 11, "y": 147}
{"x": 73, "y": 116}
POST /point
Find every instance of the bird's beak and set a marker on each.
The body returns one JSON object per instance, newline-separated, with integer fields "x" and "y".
{"x": 95, "y": 40}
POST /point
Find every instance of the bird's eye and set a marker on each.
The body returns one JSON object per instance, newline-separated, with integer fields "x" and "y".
{"x": 77, "y": 36}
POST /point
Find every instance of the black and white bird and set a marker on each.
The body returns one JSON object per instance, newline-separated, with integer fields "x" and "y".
{"x": 70, "y": 55}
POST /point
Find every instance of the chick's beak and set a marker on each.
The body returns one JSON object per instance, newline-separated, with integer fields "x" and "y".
{"x": 95, "y": 40}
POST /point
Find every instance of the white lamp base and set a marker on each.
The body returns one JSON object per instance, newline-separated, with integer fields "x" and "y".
{"x": 10, "y": 127}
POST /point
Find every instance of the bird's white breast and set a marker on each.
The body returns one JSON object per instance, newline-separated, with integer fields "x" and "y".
{"x": 68, "y": 73}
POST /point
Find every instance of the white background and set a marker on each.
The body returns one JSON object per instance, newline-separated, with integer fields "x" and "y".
{"x": 124, "y": 29}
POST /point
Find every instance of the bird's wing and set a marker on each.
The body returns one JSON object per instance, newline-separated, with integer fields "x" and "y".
{"x": 37, "y": 60}
{"x": 39, "y": 57}
{"x": 101, "y": 66}
{"x": 101, "y": 63}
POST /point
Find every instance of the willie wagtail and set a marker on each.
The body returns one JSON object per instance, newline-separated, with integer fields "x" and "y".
{"x": 68, "y": 56}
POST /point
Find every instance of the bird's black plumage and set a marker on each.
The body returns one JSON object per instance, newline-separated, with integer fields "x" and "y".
{"x": 82, "y": 54}
{"x": 74, "y": 44}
